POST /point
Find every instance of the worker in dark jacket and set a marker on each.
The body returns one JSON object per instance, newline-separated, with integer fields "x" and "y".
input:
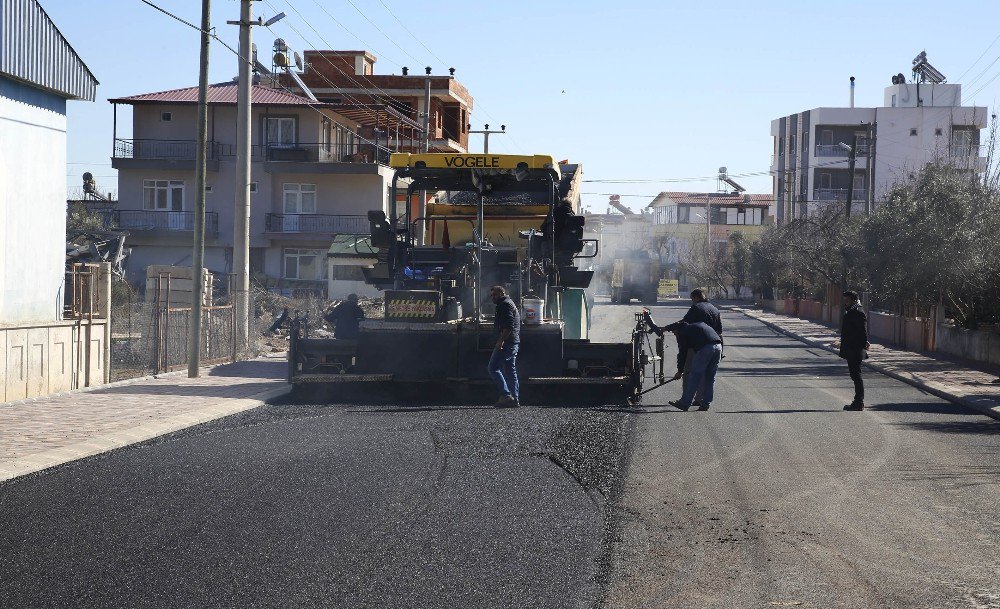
{"x": 346, "y": 317}
{"x": 706, "y": 344}
{"x": 503, "y": 361}
{"x": 701, "y": 311}
{"x": 854, "y": 345}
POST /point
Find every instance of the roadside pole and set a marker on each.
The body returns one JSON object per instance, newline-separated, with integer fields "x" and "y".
{"x": 198, "y": 257}
{"x": 486, "y": 135}
{"x": 241, "y": 219}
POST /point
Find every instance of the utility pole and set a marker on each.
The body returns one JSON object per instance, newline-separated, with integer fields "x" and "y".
{"x": 198, "y": 257}
{"x": 851, "y": 162}
{"x": 708, "y": 228}
{"x": 241, "y": 218}
{"x": 870, "y": 194}
{"x": 486, "y": 135}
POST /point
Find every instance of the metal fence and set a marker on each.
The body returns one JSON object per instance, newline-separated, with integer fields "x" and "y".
{"x": 151, "y": 338}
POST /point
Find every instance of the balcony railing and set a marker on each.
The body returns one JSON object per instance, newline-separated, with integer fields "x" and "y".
{"x": 839, "y": 194}
{"x": 175, "y": 150}
{"x": 968, "y": 150}
{"x": 362, "y": 152}
{"x": 838, "y": 150}
{"x": 143, "y": 220}
{"x": 317, "y": 223}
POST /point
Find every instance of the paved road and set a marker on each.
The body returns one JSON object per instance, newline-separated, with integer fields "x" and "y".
{"x": 774, "y": 498}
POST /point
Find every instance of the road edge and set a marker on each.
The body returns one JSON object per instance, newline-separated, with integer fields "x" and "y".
{"x": 928, "y": 386}
{"x": 37, "y": 462}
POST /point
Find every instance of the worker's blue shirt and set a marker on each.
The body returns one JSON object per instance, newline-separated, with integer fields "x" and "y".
{"x": 508, "y": 318}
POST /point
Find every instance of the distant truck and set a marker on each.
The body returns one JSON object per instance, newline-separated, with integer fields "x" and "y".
{"x": 634, "y": 275}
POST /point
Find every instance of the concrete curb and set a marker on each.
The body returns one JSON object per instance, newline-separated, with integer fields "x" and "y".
{"x": 37, "y": 462}
{"x": 980, "y": 405}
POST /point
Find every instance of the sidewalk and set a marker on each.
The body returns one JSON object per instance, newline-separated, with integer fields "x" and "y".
{"x": 938, "y": 376}
{"x": 44, "y": 432}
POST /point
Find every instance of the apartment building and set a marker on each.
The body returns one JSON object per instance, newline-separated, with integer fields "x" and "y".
{"x": 313, "y": 176}
{"x": 682, "y": 220}
{"x": 347, "y": 80}
{"x": 919, "y": 122}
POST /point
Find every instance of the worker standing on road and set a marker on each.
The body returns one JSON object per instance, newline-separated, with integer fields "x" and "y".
{"x": 701, "y": 311}
{"x": 854, "y": 345}
{"x": 346, "y": 318}
{"x": 706, "y": 344}
{"x": 503, "y": 361}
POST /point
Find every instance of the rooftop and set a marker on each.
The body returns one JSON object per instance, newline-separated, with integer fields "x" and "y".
{"x": 220, "y": 93}
{"x": 715, "y": 198}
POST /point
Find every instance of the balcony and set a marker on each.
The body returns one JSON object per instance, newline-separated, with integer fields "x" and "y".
{"x": 168, "y": 221}
{"x": 311, "y": 225}
{"x": 839, "y": 194}
{"x": 153, "y": 154}
{"x": 836, "y": 150}
{"x": 358, "y": 157}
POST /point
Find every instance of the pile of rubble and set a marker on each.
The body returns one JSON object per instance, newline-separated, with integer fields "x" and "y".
{"x": 275, "y": 312}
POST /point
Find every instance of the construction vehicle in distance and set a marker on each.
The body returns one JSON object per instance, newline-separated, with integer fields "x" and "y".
{"x": 492, "y": 222}
{"x": 634, "y": 274}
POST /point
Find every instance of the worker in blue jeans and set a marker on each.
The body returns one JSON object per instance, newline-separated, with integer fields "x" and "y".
{"x": 706, "y": 344}
{"x": 503, "y": 361}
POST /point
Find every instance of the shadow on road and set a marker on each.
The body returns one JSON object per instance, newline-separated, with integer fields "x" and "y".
{"x": 978, "y": 427}
{"x": 925, "y": 407}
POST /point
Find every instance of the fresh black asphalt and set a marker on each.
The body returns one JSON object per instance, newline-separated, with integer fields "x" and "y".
{"x": 773, "y": 498}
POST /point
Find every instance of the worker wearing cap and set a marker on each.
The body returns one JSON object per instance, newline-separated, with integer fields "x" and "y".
{"x": 706, "y": 344}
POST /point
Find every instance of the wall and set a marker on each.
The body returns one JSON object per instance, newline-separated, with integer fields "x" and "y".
{"x": 32, "y": 204}
{"x": 46, "y": 357}
{"x": 969, "y": 344}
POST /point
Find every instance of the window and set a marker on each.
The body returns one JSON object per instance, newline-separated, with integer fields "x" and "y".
{"x": 961, "y": 140}
{"x": 327, "y": 139}
{"x": 302, "y": 264}
{"x": 781, "y": 147}
{"x": 344, "y": 141}
{"x": 166, "y": 116}
{"x": 893, "y": 100}
{"x": 299, "y": 199}
{"x": 825, "y": 181}
{"x": 163, "y": 195}
{"x": 791, "y": 144}
{"x": 938, "y": 131}
{"x": 805, "y": 141}
{"x": 280, "y": 131}
{"x": 913, "y": 132}
{"x": 208, "y": 188}
{"x": 826, "y": 137}
{"x": 253, "y": 186}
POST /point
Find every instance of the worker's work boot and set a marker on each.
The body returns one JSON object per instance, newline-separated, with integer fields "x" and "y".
{"x": 856, "y": 405}
{"x": 679, "y": 405}
{"x": 506, "y": 402}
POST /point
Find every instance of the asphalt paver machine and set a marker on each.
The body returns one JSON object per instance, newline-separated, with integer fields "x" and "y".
{"x": 485, "y": 220}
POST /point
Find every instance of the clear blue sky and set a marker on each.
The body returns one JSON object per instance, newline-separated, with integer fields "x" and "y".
{"x": 633, "y": 90}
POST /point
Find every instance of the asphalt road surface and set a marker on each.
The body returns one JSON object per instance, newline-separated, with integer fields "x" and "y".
{"x": 775, "y": 497}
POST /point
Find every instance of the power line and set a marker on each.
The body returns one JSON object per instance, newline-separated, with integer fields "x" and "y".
{"x": 375, "y": 25}
{"x": 969, "y": 69}
{"x": 412, "y": 35}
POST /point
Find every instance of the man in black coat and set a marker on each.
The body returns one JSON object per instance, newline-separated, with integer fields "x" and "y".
{"x": 503, "y": 361}
{"x": 854, "y": 345}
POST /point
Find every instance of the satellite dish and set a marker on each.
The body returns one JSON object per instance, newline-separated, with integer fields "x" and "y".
{"x": 722, "y": 170}
{"x": 615, "y": 197}
{"x": 281, "y": 59}
{"x": 298, "y": 60}
{"x": 88, "y": 177}
{"x": 279, "y": 44}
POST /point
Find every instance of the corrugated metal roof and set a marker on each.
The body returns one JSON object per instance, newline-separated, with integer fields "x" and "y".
{"x": 33, "y": 50}
{"x": 220, "y": 93}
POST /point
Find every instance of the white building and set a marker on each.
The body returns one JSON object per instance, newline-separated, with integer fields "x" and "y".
{"x": 40, "y": 351}
{"x": 918, "y": 123}
{"x": 312, "y": 177}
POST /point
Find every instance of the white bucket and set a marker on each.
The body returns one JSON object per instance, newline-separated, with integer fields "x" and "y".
{"x": 533, "y": 310}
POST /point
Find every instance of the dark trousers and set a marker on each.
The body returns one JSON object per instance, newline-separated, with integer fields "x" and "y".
{"x": 854, "y": 367}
